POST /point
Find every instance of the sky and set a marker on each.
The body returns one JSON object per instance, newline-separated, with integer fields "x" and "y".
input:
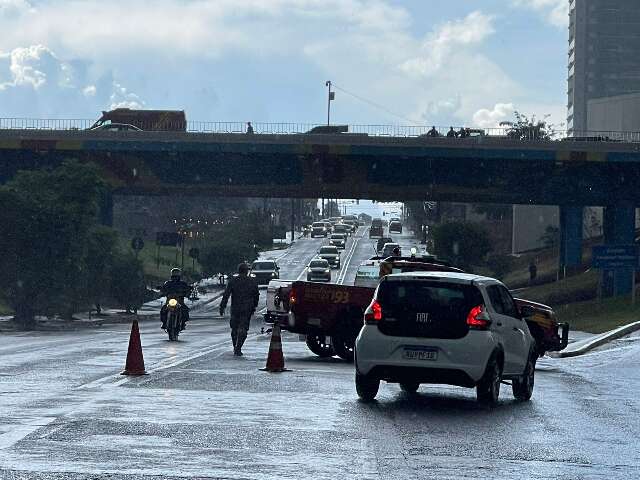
{"x": 394, "y": 62}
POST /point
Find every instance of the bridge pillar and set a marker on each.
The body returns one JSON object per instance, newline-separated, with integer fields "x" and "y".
{"x": 570, "y": 239}
{"x": 619, "y": 229}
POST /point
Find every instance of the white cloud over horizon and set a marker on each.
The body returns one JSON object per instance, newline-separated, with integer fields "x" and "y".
{"x": 177, "y": 53}
{"x": 556, "y": 12}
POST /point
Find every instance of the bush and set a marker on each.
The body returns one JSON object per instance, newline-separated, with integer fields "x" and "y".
{"x": 500, "y": 265}
{"x": 224, "y": 255}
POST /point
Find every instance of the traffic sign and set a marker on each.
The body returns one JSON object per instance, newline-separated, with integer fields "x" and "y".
{"x": 614, "y": 257}
{"x": 137, "y": 244}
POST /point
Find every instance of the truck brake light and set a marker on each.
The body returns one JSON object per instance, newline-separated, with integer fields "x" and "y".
{"x": 373, "y": 314}
{"x": 478, "y": 318}
{"x": 292, "y": 297}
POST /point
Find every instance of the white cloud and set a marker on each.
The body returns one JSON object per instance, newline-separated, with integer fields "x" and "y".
{"x": 13, "y": 8}
{"x": 34, "y": 66}
{"x": 486, "y": 118}
{"x": 89, "y": 91}
{"x": 469, "y": 31}
{"x": 556, "y": 12}
{"x": 122, "y": 98}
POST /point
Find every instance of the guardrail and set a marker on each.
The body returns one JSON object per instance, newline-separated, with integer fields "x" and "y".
{"x": 259, "y": 128}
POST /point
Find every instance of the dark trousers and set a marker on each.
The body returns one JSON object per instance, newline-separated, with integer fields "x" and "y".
{"x": 239, "y": 324}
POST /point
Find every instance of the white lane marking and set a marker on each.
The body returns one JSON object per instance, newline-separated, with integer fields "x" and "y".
{"x": 12, "y": 437}
{"x": 345, "y": 267}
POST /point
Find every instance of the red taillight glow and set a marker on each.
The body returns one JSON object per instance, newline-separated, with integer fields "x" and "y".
{"x": 292, "y": 297}
{"x": 478, "y": 318}
{"x": 374, "y": 312}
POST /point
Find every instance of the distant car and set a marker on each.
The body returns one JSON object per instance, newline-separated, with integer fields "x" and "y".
{"x": 342, "y": 228}
{"x": 388, "y": 249}
{"x": 116, "y": 127}
{"x": 361, "y": 223}
{"x": 264, "y": 271}
{"x": 334, "y": 220}
{"x": 353, "y": 224}
{"x": 395, "y": 227}
{"x": 319, "y": 229}
{"x": 331, "y": 255}
{"x": 382, "y": 242}
{"x": 394, "y": 219}
{"x": 318, "y": 270}
{"x": 376, "y": 229}
{"x": 445, "y": 328}
{"x": 338, "y": 240}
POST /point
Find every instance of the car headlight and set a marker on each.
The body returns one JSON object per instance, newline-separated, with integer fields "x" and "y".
{"x": 274, "y": 274}
{"x": 327, "y": 271}
{"x": 253, "y": 275}
{"x": 173, "y": 303}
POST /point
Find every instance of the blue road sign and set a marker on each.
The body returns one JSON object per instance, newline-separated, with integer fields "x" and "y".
{"x": 613, "y": 257}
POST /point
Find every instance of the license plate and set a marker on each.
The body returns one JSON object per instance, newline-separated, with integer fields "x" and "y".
{"x": 419, "y": 354}
{"x": 314, "y": 322}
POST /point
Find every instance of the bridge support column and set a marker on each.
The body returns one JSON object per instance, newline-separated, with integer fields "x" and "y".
{"x": 619, "y": 229}
{"x": 570, "y": 239}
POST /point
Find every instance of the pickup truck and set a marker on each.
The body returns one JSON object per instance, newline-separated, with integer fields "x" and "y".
{"x": 330, "y": 316}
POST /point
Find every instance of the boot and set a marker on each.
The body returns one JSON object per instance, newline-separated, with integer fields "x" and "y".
{"x": 239, "y": 342}
{"x": 234, "y": 338}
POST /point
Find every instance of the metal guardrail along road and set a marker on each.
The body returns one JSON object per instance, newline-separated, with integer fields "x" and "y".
{"x": 407, "y": 131}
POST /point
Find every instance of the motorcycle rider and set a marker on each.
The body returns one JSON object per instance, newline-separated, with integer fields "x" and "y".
{"x": 177, "y": 289}
{"x": 244, "y": 294}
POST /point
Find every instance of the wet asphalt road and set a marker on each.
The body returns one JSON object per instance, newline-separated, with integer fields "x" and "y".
{"x": 202, "y": 413}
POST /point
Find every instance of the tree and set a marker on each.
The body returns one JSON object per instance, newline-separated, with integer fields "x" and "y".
{"x": 102, "y": 250}
{"x": 47, "y": 216}
{"x": 224, "y": 255}
{"x": 551, "y": 237}
{"x": 525, "y": 128}
{"x": 127, "y": 281}
{"x": 465, "y": 243}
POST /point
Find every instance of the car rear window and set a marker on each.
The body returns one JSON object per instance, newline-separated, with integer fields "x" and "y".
{"x": 337, "y": 237}
{"x": 418, "y": 308}
{"x": 318, "y": 225}
{"x": 318, "y": 264}
{"x": 328, "y": 250}
{"x": 264, "y": 266}
{"x": 376, "y": 223}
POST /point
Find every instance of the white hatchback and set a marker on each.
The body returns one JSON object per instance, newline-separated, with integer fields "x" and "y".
{"x": 445, "y": 328}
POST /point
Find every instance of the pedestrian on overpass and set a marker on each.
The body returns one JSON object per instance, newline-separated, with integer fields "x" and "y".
{"x": 244, "y": 294}
{"x": 433, "y": 132}
{"x": 452, "y": 133}
{"x": 249, "y": 128}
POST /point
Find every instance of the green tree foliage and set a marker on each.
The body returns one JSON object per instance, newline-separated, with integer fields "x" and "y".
{"x": 525, "y": 128}
{"x": 465, "y": 243}
{"x": 102, "y": 252}
{"x": 224, "y": 254}
{"x": 55, "y": 257}
{"x": 127, "y": 281}
{"x": 500, "y": 265}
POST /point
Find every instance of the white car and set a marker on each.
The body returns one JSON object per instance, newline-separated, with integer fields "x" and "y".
{"x": 446, "y": 328}
{"x": 338, "y": 240}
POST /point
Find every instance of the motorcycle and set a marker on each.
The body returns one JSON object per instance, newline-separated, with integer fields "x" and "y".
{"x": 174, "y": 318}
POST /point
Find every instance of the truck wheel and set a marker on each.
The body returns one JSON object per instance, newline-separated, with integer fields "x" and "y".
{"x": 409, "y": 387}
{"x": 318, "y": 344}
{"x": 367, "y": 387}
{"x": 523, "y": 386}
{"x": 343, "y": 346}
{"x": 488, "y": 389}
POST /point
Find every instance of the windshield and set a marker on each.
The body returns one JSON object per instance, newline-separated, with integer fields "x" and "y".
{"x": 264, "y": 266}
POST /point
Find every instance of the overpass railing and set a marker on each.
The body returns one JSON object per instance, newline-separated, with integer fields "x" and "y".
{"x": 259, "y": 128}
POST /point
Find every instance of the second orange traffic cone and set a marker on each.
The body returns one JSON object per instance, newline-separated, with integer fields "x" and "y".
{"x": 135, "y": 360}
{"x": 275, "y": 360}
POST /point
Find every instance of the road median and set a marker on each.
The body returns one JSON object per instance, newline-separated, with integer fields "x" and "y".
{"x": 583, "y": 346}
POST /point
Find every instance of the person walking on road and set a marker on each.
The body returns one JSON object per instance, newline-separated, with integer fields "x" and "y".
{"x": 244, "y": 294}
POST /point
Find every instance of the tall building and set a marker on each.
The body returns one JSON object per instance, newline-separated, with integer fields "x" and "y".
{"x": 604, "y": 66}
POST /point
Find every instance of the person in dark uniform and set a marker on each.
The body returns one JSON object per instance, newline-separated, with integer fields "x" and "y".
{"x": 244, "y": 294}
{"x": 178, "y": 289}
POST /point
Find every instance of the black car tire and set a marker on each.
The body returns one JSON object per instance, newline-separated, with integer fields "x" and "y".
{"x": 343, "y": 346}
{"x": 318, "y": 344}
{"x": 523, "y": 387}
{"x": 488, "y": 388}
{"x": 367, "y": 387}
{"x": 409, "y": 387}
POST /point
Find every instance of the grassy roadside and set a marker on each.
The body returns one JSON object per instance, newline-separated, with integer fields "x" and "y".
{"x": 598, "y": 317}
{"x": 5, "y": 310}
{"x": 170, "y": 257}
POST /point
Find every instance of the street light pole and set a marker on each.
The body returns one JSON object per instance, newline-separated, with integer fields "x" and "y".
{"x": 331, "y": 96}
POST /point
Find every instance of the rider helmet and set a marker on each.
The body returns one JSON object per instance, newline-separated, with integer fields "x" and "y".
{"x": 176, "y": 273}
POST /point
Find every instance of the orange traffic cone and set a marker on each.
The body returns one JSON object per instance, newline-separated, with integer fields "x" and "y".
{"x": 135, "y": 360}
{"x": 275, "y": 360}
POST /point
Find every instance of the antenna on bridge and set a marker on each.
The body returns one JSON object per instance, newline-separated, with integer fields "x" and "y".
{"x": 332, "y": 96}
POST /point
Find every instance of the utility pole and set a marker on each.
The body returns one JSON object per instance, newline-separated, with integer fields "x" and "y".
{"x": 331, "y": 96}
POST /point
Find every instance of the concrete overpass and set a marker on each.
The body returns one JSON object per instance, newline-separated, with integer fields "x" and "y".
{"x": 570, "y": 174}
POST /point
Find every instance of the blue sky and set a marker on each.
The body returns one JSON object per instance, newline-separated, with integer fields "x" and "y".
{"x": 468, "y": 62}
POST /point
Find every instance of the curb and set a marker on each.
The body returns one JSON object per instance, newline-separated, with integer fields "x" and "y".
{"x": 600, "y": 340}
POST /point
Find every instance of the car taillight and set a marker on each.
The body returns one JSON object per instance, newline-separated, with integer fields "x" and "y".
{"x": 478, "y": 318}
{"x": 373, "y": 314}
{"x": 292, "y": 298}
